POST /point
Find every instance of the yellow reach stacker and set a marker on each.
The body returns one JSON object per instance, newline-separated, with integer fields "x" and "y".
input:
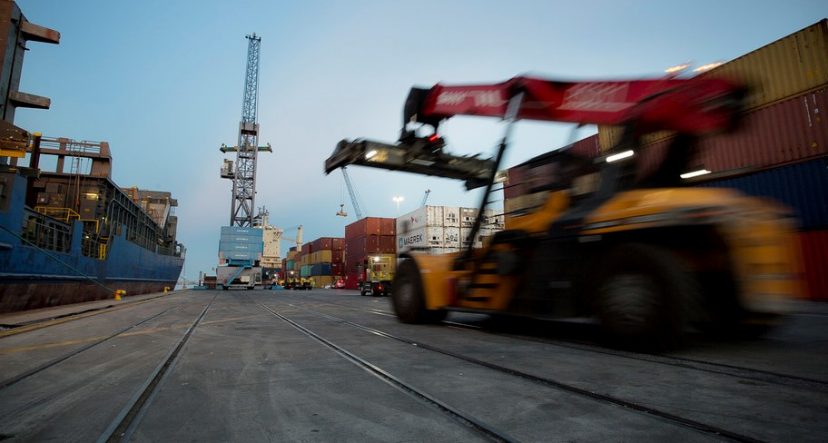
{"x": 646, "y": 255}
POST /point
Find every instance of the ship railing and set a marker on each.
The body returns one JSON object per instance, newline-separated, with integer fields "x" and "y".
{"x": 94, "y": 246}
{"x": 65, "y": 215}
{"x": 46, "y": 233}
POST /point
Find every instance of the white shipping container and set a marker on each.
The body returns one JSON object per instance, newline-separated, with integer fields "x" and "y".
{"x": 424, "y": 216}
{"x": 425, "y": 237}
{"x": 451, "y": 237}
{"x": 451, "y": 217}
{"x": 467, "y": 216}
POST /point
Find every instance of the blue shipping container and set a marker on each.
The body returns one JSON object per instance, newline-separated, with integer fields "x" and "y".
{"x": 236, "y": 230}
{"x": 259, "y": 246}
{"x": 321, "y": 269}
{"x": 803, "y": 187}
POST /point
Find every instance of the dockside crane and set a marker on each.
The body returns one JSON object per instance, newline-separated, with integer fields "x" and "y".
{"x": 243, "y": 173}
{"x": 352, "y": 193}
{"x": 425, "y": 197}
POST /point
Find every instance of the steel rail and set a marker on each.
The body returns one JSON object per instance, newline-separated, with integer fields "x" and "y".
{"x": 646, "y": 410}
{"x": 8, "y": 382}
{"x": 124, "y": 424}
{"x": 486, "y": 430}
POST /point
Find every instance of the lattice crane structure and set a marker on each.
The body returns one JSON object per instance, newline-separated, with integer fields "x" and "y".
{"x": 243, "y": 174}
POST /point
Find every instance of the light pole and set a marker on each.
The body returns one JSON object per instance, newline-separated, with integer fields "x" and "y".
{"x": 398, "y": 199}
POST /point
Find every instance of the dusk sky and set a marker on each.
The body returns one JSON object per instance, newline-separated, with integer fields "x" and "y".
{"x": 162, "y": 81}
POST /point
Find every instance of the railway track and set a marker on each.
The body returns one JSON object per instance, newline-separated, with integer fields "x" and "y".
{"x": 741, "y": 372}
{"x": 484, "y": 429}
{"x": 7, "y": 330}
{"x": 20, "y": 377}
{"x": 654, "y": 413}
{"x": 125, "y": 423}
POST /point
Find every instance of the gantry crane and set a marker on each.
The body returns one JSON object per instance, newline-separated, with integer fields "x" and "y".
{"x": 352, "y": 193}
{"x": 425, "y": 197}
{"x": 244, "y": 173}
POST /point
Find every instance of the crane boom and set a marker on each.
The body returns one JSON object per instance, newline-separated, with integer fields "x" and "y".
{"x": 425, "y": 197}
{"x": 352, "y": 193}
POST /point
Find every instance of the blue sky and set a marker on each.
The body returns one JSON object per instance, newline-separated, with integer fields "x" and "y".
{"x": 162, "y": 81}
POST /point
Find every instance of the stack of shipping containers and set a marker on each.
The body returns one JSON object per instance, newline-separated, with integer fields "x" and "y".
{"x": 370, "y": 238}
{"x": 325, "y": 260}
{"x": 240, "y": 246}
{"x": 440, "y": 229}
{"x": 290, "y": 263}
{"x": 779, "y": 151}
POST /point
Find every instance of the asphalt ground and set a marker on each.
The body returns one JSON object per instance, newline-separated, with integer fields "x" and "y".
{"x": 330, "y": 365}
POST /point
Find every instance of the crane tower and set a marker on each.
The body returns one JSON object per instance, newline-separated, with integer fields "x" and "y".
{"x": 244, "y": 173}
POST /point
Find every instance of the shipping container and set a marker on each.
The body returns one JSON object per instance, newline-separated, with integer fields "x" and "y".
{"x": 306, "y": 249}
{"x": 451, "y": 237}
{"x": 369, "y": 226}
{"x": 424, "y": 237}
{"x": 337, "y": 269}
{"x": 803, "y": 187}
{"x": 786, "y": 132}
{"x": 323, "y": 281}
{"x": 237, "y": 230}
{"x": 321, "y": 269}
{"x": 814, "y": 247}
{"x": 587, "y": 147}
{"x": 451, "y": 217}
{"x": 305, "y": 271}
{"x": 467, "y": 216}
{"x": 522, "y": 204}
{"x": 787, "y": 67}
{"x": 388, "y": 226}
{"x": 338, "y": 244}
{"x": 326, "y": 243}
{"x": 420, "y": 217}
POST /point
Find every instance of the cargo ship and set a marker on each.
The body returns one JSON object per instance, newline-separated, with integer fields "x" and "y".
{"x": 72, "y": 235}
{"x": 68, "y": 233}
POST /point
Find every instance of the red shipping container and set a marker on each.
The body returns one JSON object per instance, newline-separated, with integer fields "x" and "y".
{"x": 337, "y": 256}
{"x": 337, "y": 244}
{"x": 388, "y": 244}
{"x": 337, "y": 268}
{"x": 351, "y": 281}
{"x": 786, "y": 132}
{"x": 366, "y": 226}
{"x": 814, "y": 247}
{"x": 306, "y": 249}
{"x": 371, "y": 226}
{"x": 587, "y": 147}
{"x": 388, "y": 226}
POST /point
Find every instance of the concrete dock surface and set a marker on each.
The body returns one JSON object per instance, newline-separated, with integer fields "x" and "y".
{"x": 330, "y": 365}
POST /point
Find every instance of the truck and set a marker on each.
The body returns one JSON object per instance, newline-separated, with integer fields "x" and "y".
{"x": 376, "y": 274}
{"x": 647, "y": 256}
{"x": 239, "y": 276}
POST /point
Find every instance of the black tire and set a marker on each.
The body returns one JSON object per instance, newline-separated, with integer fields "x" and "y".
{"x": 408, "y": 299}
{"x": 643, "y": 297}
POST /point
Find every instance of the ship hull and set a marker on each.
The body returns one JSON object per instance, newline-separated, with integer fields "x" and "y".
{"x": 34, "y": 277}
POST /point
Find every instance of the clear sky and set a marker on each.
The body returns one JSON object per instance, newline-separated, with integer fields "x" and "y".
{"x": 161, "y": 81}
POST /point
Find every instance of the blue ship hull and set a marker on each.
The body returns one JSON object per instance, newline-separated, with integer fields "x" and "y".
{"x": 33, "y": 277}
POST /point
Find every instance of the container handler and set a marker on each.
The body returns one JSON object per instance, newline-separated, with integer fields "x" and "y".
{"x": 648, "y": 256}
{"x": 376, "y": 275}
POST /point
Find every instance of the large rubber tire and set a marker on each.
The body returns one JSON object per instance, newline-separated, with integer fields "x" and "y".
{"x": 643, "y": 297}
{"x": 408, "y": 299}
